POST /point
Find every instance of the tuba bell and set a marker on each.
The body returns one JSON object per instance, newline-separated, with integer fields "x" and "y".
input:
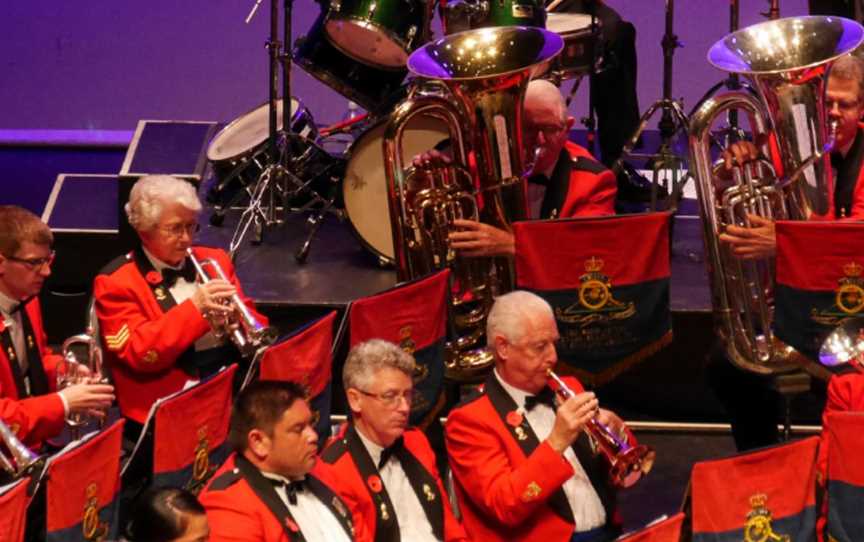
{"x": 786, "y": 61}
{"x": 474, "y": 82}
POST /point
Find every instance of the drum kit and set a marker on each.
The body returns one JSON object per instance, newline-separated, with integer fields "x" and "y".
{"x": 274, "y": 161}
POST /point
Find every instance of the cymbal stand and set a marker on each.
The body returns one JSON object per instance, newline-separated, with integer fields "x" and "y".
{"x": 672, "y": 121}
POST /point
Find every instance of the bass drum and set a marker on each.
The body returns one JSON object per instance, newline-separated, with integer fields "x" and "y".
{"x": 365, "y": 186}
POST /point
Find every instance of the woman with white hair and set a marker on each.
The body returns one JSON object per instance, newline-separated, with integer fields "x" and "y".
{"x": 152, "y": 313}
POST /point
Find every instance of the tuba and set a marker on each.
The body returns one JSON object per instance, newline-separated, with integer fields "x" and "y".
{"x": 475, "y": 83}
{"x": 71, "y": 371}
{"x": 627, "y": 463}
{"x": 245, "y": 331}
{"x": 20, "y": 461}
{"x": 786, "y": 61}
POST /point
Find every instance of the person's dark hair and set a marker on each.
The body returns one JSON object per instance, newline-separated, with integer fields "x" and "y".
{"x": 260, "y": 406}
{"x": 160, "y": 514}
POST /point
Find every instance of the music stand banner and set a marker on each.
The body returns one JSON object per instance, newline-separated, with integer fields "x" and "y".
{"x": 83, "y": 483}
{"x": 769, "y": 494}
{"x": 845, "y": 432}
{"x": 607, "y": 280}
{"x": 412, "y": 315}
{"x": 667, "y": 530}
{"x": 190, "y": 431}
{"x": 13, "y": 503}
{"x": 306, "y": 357}
{"x": 820, "y": 280}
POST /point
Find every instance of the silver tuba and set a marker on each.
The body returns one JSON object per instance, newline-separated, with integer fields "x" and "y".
{"x": 21, "y": 460}
{"x": 475, "y": 83}
{"x": 244, "y": 330}
{"x": 786, "y": 61}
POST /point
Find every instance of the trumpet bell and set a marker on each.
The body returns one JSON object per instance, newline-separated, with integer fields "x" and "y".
{"x": 631, "y": 465}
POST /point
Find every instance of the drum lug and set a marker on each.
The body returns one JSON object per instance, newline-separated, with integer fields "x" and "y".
{"x": 411, "y": 33}
{"x": 335, "y": 6}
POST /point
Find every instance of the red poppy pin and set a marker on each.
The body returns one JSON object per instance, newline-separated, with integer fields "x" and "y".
{"x": 291, "y": 525}
{"x": 374, "y": 483}
{"x": 514, "y": 418}
{"x": 153, "y": 277}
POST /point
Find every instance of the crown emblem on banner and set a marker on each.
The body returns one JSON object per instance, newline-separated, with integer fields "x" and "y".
{"x": 594, "y": 264}
{"x": 852, "y": 269}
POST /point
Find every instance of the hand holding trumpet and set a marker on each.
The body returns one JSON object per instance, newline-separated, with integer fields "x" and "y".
{"x": 570, "y": 420}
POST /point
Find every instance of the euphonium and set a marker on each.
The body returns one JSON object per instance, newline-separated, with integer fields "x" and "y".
{"x": 20, "y": 460}
{"x": 481, "y": 77}
{"x": 71, "y": 371}
{"x": 786, "y": 61}
{"x": 240, "y": 325}
{"x": 627, "y": 463}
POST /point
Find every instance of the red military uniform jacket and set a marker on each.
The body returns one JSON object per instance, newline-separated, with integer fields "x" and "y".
{"x": 845, "y": 393}
{"x": 580, "y": 186}
{"x": 508, "y": 484}
{"x": 243, "y": 506}
{"x": 359, "y": 485}
{"x": 38, "y": 417}
{"x": 145, "y": 332}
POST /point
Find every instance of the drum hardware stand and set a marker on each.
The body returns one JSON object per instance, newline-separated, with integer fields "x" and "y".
{"x": 672, "y": 121}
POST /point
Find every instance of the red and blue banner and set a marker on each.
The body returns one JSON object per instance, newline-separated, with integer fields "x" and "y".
{"x": 667, "y": 530}
{"x": 819, "y": 280}
{"x": 306, "y": 357}
{"x": 190, "y": 433}
{"x": 13, "y": 504}
{"x": 769, "y": 494}
{"x": 607, "y": 280}
{"x": 845, "y": 431}
{"x": 82, "y": 488}
{"x": 412, "y": 315}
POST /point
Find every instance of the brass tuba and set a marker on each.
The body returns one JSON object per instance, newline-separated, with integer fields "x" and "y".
{"x": 786, "y": 61}
{"x": 245, "y": 331}
{"x": 475, "y": 83}
{"x": 20, "y": 461}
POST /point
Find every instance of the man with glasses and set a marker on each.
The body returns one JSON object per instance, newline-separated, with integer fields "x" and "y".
{"x": 565, "y": 182}
{"x": 155, "y": 318}
{"x": 524, "y": 468}
{"x": 29, "y": 401}
{"x": 384, "y": 470}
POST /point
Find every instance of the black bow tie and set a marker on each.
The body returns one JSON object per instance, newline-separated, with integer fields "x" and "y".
{"x": 291, "y": 488}
{"x": 545, "y": 397}
{"x": 389, "y": 452}
{"x": 170, "y": 276}
{"x": 20, "y": 306}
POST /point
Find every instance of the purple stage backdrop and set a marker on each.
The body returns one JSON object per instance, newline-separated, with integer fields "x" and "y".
{"x": 103, "y": 65}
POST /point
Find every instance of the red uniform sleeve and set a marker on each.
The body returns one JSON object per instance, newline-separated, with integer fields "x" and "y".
{"x": 33, "y": 419}
{"x": 492, "y": 482}
{"x": 230, "y": 522}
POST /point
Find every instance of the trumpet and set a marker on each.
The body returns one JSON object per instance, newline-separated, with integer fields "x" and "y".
{"x": 627, "y": 463}
{"x": 241, "y": 326}
{"x": 71, "y": 371}
{"x": 21, "y": 461}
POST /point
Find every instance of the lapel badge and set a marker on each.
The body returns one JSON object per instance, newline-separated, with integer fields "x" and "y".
{"x": 532, "y": 491}
{"x": 30, "y": 342}
{"x": 11, "y": 353}
{"x": 339, "y": 506}
{"x": 160, "y": 293}
{"x": 514, "y": 418}
{"x": 153, "y": 277}
{"x": 427, "y": 491}
{"x": 520, "y": 433}
{"x": 385, "y": 514}
{"x": 374, "y": 483}
{"x": 151, "y": 356}
{"x": 292, "y": 526}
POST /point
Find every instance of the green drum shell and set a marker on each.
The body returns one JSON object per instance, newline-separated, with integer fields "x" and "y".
{"x": 514, "y": 13}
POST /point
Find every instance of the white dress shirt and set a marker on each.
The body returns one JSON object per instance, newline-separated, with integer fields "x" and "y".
{"x": 414, "y": 525}
{"x": 181, "y": 291}
{"x": 587, "y": 508}
{"x": 315, "y": 520}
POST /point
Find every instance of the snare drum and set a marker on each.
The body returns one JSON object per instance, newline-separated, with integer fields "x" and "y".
{"x": 378, "y": 32}
{"x": 575, "y": 29}
{"x": 374, "y": 89}
{"x": 365, "y": 186}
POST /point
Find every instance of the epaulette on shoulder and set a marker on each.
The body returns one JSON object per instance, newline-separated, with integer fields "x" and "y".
{"x": 582, "y": 163}
{"x": 334, "y": 451}
{"x": 225, "y": 480}
{"x": 472, "y": 396}
{"x": 115, "y": 264}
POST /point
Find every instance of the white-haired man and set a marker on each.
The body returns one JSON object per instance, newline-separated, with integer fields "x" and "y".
{"x": 523, "y": 467}
{"x": 152, "y": 313}
{"x": 566, "y": 180}
{"x": 385, "y": 471}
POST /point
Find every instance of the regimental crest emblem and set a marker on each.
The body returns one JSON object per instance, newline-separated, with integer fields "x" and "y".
{"x": 848, "y": 297}
{"x": 92, "y": 527}
{"x": 532, "y": 491}
{"x": 758, "y": 527}
{"x": 201, "y": 468}
{"x": 596, "y": 302}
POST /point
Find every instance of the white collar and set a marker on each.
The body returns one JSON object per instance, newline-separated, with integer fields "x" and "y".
{"x": 158, "y": 264}
{"x": 7, "y": 304}
{"x": 374, "y": 449}
{"x": 515, "y": 393}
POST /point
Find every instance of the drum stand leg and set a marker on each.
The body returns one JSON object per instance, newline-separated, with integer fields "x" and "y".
{"x": 672, "y": 122}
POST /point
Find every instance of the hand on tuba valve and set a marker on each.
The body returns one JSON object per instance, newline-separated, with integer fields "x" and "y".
{"x": 233, "y": 320}
{"x": 627, "y": 463}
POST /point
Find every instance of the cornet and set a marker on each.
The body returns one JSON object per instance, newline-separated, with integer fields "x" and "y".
{"x": 20, "y": 461}
{"x": 241, "y": 326}
{"x": 627, "y": 462}
{"x": 71, "y": 371}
